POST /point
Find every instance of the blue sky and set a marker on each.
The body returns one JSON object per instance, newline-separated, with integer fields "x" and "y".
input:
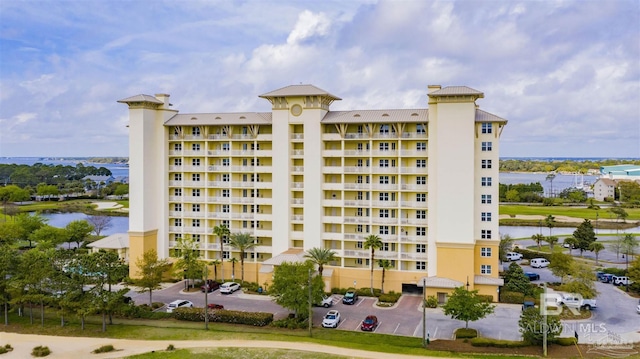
{"x": 566, "y": 74}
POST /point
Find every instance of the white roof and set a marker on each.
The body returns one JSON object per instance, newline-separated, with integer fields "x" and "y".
{"x": 290, "y": 256}
{"x": 114, "y": 241}
{"x": 483, "y": 279}
{"x": 439, "y": 282}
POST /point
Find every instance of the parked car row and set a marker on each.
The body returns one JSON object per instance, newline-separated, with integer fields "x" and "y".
{"x": 614, "y": 279}
{"x": 332, "y": 320}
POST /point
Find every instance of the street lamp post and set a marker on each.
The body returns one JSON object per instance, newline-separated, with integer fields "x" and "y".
{"x": 206, "y": 298}
{"x": 424, "y": 312}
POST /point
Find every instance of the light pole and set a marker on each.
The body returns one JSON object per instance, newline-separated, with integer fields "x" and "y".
{"x": 206, "y": 298}
{"x": 424, "y": 312}
{"x": 310, "y": 311}
{"x": 596, "y": 222}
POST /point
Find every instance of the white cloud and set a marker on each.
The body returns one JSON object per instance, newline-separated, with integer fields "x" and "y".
{"x": 308, "y": 26}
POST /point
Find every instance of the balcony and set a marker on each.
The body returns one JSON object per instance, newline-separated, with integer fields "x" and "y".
{"x": 351, "y": 169}
{"x": 297, "y": 217}
{"x": 175, "y": 183}
{"x": 413, "y": 153}
{"x": 414, "y": 256}
{"x": 414, "y": 135}
{"x": 175, "y": 198}
{"x": 297, "y": 136}
{"x": 332, "y": 219}
{"x": 385, "y": 220}
{"x": 405, "y": 238}
{"x": 413, "y": 187}
{"x": 331, "y": 137}
{"x": 297, "y": 185}
{"x": 175, "y": 168}
{"x": 385, "y": 187}
{"x": 242, "y": 184}
{"x": 297, "y": 169}
{"x": 386, "y": 254}
{"x": 191, "y": 214}
{"x": 384, "y": 204}
{"x": 378, "y": 169}
{"x": 414, "y": 221}
{"x": 385, "y": 153}
{"x": 197, "y": 199}
{"x": 356, "y": 253}
{"x": 352, "y": 136}
{"x": 219, "y": 184}
{"x": 357, "y": 186}
{"x": 297, "y": 153}
{"x": 357, "y": 203}
{"x": 175, "y": 153}
{"x": 332, "y": 153}
{"x": 354, "y": 236}
{"x": 297, "y": 200}
{"x": 193, "y": 153}
{"x": 218, "y": 199}
{"x": 358, "y": 153}
{"x": 414, "y": 204}
{"x": 356, "y": 219}
{"x": 416, "y": 170}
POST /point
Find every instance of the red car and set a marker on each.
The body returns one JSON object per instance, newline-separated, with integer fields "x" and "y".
{"x": 215, "y": 306}
{"x": 370, "y": 323}
{"x": 210, "y": 286}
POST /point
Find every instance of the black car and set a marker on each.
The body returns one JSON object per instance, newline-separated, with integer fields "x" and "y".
{"x": 528, "y": 304}
{"x": 532, "y": 276}
{"x": 350, "y": 297}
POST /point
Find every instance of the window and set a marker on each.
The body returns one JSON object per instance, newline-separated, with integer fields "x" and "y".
{"x": 487, "y": 127}
{"x": 486, "y": 216}
{"x": 384, "y": 230}
{"x": 195, "y": 162}
{"x": 384, "y": 129}
{"x": 195, "y": 177}
{"x": 384, "y": 179}
{"x": 486, "y": 199}
{"x": 359, "y": 212}
{"x": 226, "y": 255}
{"x": 384, "y": 196}
{"x": 178, "y": 222}
{"x": 195, "y": 223}
{"x": 485, "y": 269}
{"x": 421, "y": 248}
{"x": 195, "y": 192}
{"x": 255, "y": 162}
{"x": 360, "y": 162}
{"x": 177, "y": 161}
{"x": 421, "y": 197}
{"x": 485, "y": 234}
{"x": 225, "y": 193}
{"x": 384, "y": 213}
{"x": 486, "y": 146}
{"x": 225, "y": 208}
{"x": 384, "y": 146}
{"x": 177, "y": 207}
{"x": 177, "y": 192}
{"x": 225, "y": 147}
{"x": 177, "y": 176}
{"x": 486, "y": 181}
{"x": 225, "y": 223}
{"x": 421, "y": 180}
{"x": 195, "y": 147}
{"x": 195, "y": 131}
{"x": 359, "y": 245}
{"x": 485, "y": 252}
{"x": 421, "y": 231}
{"x": 421, "y": 163}
{"x": 177, "y": 147}
{"x": 225, "y": 162}
{"x": 420, "y": 214}
{"x": 384, "y": 163}
{"x": 255, "y": 147}
{"x": 421, "y": 146}
{"x": 225, "y": 177}
{"x": 421, "y": 265}
{"x": 420, "y": 128}
{"x": 195, "y": 208}
{"x": 486, "y": 163}
{"x": 196, "y": 237}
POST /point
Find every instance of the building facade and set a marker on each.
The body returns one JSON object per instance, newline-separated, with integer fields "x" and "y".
{"x": 301, "y": 176}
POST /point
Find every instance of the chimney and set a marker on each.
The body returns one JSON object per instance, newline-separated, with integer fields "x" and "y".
{"x": 433, "y": 88}
{"x": 164, "y": 98}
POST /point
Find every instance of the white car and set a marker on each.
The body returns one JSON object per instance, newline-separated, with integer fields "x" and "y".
{"x": 331, "y": 319}
{"x": 513, "y": 256}
{"x": 539, "y": 263}
{"x": 180, "y": 303}
{"x": 229, "y": 287}
{"x": 638, "y": 309}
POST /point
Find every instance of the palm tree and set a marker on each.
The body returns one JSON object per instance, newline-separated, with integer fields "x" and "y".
{"x": 550, "y": 178}
{"x": 242, "y": 242}
{"x": 215, "y": 263}
{"x": 385, "y": 264}
{"x": 374, "y": 242}
{"x": 551, "y": 240}
{"x": 233, "y": 261}
{"x": 596, "y": 247}
{"x": 550, "y": 222}
{"x": 320, "y": 256}
{"x": 571, "y": 242}
{"x": 222, "y": 232}
{"x": 538, "y": 238}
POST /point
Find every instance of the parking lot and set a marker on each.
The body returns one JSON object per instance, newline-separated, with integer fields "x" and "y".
{"x": 615, "y": 313}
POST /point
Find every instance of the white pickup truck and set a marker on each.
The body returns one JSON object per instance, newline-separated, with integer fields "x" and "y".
{"x": 574, "y": 301}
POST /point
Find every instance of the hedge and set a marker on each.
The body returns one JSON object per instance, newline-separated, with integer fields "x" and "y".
{"x": 487, "y": 298}
{"x": 257, "y": 319}
{"x": 497, "y": 343}
{"x": 391, "y": 297}
{"x": 511, "y": 297}
{"x": 529, "y": 254}
{"x": 565, "y": 341}
{"x": 464, "y": 333}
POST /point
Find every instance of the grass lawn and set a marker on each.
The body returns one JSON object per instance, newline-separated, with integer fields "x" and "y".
{"x": 570, "y": 211}
{"x": 235, "y": 353}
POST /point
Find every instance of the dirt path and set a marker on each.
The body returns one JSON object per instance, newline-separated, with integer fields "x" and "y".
{"x": 81, "y": 347}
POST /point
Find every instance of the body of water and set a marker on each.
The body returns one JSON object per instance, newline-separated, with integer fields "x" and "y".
{"x": 60, "y": 220}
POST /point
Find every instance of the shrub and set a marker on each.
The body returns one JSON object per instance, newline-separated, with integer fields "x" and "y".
{"x": 431, "y": 302}
{"x": 512, "y": 297}
{"x": 391, "y": 297}
{"x": 104, "y": 349}
{"x": 463, "y": 333}
{"x": 5, "y": 349}
{"x": 487, "y": 298}
{"x": 257, "y": 319}
{"x": 40, "y": 351}
{"x": 142, "y": 311}
{"x": 529, "y": 254}
{"x": 497, "y": 343}
{"x": 250, "y": 287}
{"x": 566, "y": 341}
{"x": 615, "y": 271}
{"x": 171, "y": 348}
{"x": 366, "y": 292}
{"x": 291, "y": 323}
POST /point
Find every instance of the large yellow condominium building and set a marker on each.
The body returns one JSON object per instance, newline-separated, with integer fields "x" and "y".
{"x": 425, "y": 181}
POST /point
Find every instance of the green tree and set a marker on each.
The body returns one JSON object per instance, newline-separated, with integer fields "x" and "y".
{"x": 467, "y": 306}
{"x": 550, "y": 177}
{"x": 290, "y": 287}
{"x": 215, "y": 263}
{"x": 233, "y": 262}
{"x": 516, "y": 281}
{"x": 538, "y": 238}
{"x": 532, "y": 328}
{"x": 630, "y": 243}
{"x": 617, "y": 245}
{"x": 188, "y": 263}
{"x": 550, "y": 222}
{"x": 372, "y": 242}
{"x": 78, "y": 231}
{"x": 551, "y": 240}
{"x": 634, "y": 275}
{"x": 506, "y": 243}
{"x": 33, "y": 277}
{"x": 571, "y": 242}
{"x": 121, "y": 190}
{"x": 29, "y": 224}
{"x": 242, "y": 242}
{"x": 585, "y": 235}
{"x": 320, "y": 257}
{"x": 619, "y": 212}
{"x": 105, "y": 269}
{"x": 596, "y": 247}
{"x": 48, "y": 234}
{"x": 9, "y": 258}
{"x": 561, "y": 264}
{"x": 385, "y": 264}
{"x": 582, "y": 281}
{"x": 223, "y": 233}
{"x": 150, "y": 270}
{"x": 11, "y": 233}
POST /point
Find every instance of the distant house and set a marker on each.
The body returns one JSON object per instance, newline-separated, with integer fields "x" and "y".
{"x": 121, "y": 179}
{"x": 118, "y": 242}
{"x": 99, "y": 179}
{"x": 603, "y": 188}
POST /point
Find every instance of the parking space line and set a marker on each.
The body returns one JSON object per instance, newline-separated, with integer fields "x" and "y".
{"x": 395, "y": 330}
{"x": 378, "y": 326}
{"x": 358, "y": 326}
{"x": 415, "y": 332}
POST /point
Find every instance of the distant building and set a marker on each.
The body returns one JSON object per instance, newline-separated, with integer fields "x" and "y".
{"x": 118, "y": 242}
{"x": 301, "y": 176}
{"x": 628, "y": 172}
{"x": 99, "y": 179}
{"x": 604, "y": 188}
